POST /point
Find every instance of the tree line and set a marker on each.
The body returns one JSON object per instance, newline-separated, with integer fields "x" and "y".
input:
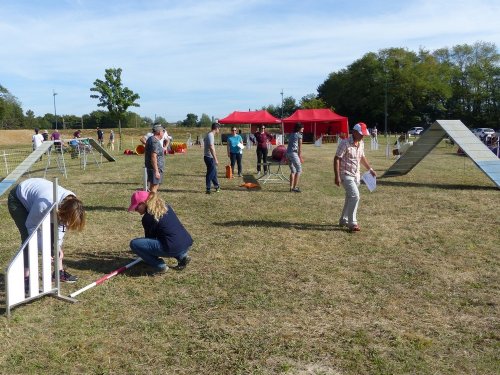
{"x": 406, "y": 89}
{"x": 393, "y": 89}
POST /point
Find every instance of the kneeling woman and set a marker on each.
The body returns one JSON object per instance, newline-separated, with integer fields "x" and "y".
{"x": 164, "y": 234}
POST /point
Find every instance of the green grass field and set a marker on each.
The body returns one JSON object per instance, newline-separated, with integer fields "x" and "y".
{"x": 275, "y": 286}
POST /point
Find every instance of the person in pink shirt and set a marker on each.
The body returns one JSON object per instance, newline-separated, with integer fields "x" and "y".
{"x": 346, "y": 166}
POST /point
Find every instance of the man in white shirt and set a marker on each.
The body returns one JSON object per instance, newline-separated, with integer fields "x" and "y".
{"x": 36, "y": 139}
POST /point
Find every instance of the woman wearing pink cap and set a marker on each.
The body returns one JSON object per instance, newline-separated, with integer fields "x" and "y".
{"x": 350, "y": 153}
{"x": 164, "y": 235}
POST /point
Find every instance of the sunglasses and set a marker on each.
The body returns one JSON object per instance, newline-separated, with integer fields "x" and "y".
{"x": 233, "y": 130}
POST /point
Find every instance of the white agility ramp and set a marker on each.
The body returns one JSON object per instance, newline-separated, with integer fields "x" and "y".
{"x": 24, "y": 166}
{"x": 476, "y": 150}
{"x": 101, "y": 150}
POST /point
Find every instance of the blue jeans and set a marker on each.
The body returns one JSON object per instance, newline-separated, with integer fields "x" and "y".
{"x": 150, "y": 250}
{"x": 211, "y": 176}
{"x": 351, "y": 201}
{"x": 235, "y": 158}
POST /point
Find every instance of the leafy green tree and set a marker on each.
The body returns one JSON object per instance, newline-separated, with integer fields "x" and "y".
{"x": 475, "y": 83}
{"x": 30, "y": 120}
{"x": 100, "y": 118}
{"x": 133, "y": 120}
{"x": 43, "y": 123}
{"x": 73, "y": 122}
{"x": 11, "y": 113}
{"x": 113, "y": 96}
{"x": 357, "y": 91}
{"x": 161, "y": 120}
{"x": 289, "y": 107}
{"x": 148, "y": 121}
{"x": 411, "y": 87}
{"x": 311, "y": 101}
{"x": 273, "y": 110}
{"x": 191, "y": 120}
{"x": 205, "y": 121}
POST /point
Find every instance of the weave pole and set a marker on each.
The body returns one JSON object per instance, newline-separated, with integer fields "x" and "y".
{"x": 106, "y": 277}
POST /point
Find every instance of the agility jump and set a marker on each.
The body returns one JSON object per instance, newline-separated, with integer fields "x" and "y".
{"x": 105, "y": 277}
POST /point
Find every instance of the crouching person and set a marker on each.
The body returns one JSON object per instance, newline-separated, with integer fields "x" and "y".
{"x": 164, "y": 234}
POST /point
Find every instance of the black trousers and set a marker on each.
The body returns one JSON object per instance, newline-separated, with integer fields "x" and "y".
{"x": 261, "y": 158}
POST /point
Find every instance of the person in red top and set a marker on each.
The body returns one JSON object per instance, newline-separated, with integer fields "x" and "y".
{"x": 346, "y": 165}
{"x": 262, "y": 139}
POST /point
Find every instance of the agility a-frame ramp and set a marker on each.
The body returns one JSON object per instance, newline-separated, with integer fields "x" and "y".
{"x": 476, "y": 150}
{"x": 101, "y": 149}
{"x": 24, "y": 166}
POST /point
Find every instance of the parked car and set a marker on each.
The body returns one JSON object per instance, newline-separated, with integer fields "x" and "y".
{"x": 415, "y": 130}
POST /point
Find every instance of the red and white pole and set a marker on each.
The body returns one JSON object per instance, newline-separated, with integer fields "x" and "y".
{"x": 105, "y": 277}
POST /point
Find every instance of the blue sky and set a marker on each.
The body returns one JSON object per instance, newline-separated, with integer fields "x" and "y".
{"x": 213, "y": 57}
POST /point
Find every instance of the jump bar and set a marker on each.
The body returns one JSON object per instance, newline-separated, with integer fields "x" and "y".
{"x": 105, "y": 277}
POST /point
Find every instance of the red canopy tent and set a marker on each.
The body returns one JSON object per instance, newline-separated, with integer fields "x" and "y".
{"x": 250, "y": 117}
{"x": 317, "y": 121}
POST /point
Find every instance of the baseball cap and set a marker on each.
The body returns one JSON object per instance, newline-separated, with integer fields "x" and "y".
{"x": 157, "y": 128}
{"x": 361, "y": 128}
{"x": 137, "y": 198}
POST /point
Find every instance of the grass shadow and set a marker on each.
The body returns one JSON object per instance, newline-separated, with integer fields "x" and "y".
{"x": 434, "y": 186}
{"x": 279, "y": 224}
{"x": 106, "y": 264}
{"x": 108, "y": 183}
{"x": 202, "y": 190}
{"x": 102, "y": 263}
{"x": 105, "y": 208}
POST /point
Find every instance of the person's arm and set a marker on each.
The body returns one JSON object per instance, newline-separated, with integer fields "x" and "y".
{"x": 36, "y": 214}
{"x": 241, "y": 142}
{"x": 228, "y": 148}
{"x": 336, "y": 169}
{"x": 166, "y": 141}
{"x": 148, "y": 226}
{"x": 154, "y": 163}
{"x": 212, "y": 151}
{"x": 364, "y": 161}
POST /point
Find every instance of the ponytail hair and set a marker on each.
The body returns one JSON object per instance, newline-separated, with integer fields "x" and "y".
{"x": 71, "y": 213}
{"x": 156, "y": 206}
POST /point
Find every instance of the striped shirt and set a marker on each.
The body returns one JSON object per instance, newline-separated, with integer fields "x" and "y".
{"x": 350, "y": 156}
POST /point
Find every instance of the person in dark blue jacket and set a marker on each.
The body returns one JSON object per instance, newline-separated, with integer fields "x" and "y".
{"x": 164, "y": 234}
